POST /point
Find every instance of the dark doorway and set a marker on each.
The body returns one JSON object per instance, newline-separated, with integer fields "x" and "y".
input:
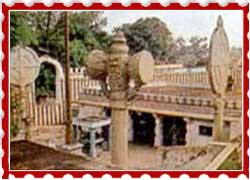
{"x": 174, "y": 131}
{"x": 143, "y": 126}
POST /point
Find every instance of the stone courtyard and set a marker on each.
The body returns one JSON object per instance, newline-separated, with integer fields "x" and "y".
{"x": 140, "y": 156}
{"x": 119, "y": 110}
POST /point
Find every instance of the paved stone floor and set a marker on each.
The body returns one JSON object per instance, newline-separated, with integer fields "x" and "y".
{"x": 141, "y": 157}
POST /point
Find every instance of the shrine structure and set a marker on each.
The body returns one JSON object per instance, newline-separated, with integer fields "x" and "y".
{"x": 150, "y": 104}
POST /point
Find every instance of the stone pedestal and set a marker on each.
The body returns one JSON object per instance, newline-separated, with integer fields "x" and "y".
{"x": 158, "y": 131}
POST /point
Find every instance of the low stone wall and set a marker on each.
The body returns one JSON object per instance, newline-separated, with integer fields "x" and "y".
{"x": 187, "y": 157}
{"x": 180, "y": 155}
{"x": 193, "y": 126}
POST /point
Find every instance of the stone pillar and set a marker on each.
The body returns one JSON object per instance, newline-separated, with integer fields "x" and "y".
{"x": 119, "y": 145}
{"x": 118, "y": 81}
{"x": 218, "y": 133}
{"x": 25, "y": 114}
{"x": 188, "y": 137}
{"x": 120, "y": 68}
{"x": 158, "y": 131}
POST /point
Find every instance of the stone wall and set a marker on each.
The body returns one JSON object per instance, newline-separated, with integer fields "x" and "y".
{"x": 194, "y": 138}
{"x": 235, "y": 129}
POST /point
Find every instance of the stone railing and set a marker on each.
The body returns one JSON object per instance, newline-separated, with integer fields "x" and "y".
{"x": 190, "y": 79}
{"x": 79, "y": 75}
{"x": 184, "y": 79}
{"x": 82, "y": 83}
{"x": 171, "y": 78}
{"x": 228, "y": 149}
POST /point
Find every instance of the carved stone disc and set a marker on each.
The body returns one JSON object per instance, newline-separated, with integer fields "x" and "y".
{"x": 97, "y": 64}
{"x": 219, "y": 61}
{"x": 24, "y": 66}
{"x": 141, "y": 67}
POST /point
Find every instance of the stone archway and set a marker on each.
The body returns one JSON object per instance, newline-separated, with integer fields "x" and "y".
{"x": 59, "y": 81}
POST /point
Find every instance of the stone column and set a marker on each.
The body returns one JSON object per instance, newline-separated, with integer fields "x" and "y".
{"x": 118, "y": 81}
{"x": 158, "y": 131}
{"x": 218, "y": 133}
{"x": 188, "y": 137}
{"x": 120, "y": 68}
{"x": 25, "y": 114}
{"x": 119, "y": 145}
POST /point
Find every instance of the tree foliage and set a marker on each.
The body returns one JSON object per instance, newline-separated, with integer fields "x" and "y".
{"x": 46, "y": 81}
{"x": 21, "y": 32}
{"x": 44, "y": 32}
{"x": 150, "y": 33}
{"x": 192, "y": 53}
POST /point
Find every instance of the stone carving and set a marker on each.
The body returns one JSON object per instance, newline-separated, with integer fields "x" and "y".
{"x": 24, "y": 68}
{"x": 97, "y": 67}
{"x": 115, "y": 70}
{"x": 219, "y": 71}
{"x": 219, "y": 64}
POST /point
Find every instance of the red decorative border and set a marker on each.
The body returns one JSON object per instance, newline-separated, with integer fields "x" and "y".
{"x": 118, "y": 6}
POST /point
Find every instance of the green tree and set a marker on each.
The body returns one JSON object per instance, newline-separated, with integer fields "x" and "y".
{"x": 150, "y": 33}
{"x": 191, "y": 54}
{"x": 44, "y": 32}
{"x": 46, "y": 81}
{"x": 21, "y": 32}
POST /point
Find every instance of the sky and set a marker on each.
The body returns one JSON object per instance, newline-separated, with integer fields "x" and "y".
{"x": 186, "y": 23}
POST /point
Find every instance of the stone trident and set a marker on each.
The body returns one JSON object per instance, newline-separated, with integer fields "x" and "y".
{"x": 121, "y": 77}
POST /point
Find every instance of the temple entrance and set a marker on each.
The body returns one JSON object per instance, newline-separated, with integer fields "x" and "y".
{"x": 143, "y": 128}
{"x": 174, "y": 131}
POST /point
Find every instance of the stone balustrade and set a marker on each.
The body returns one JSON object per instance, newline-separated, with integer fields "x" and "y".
{"x": 190, "y": 79}
{"x": 179, "y": 79}
{"x": 83, "y": 84}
